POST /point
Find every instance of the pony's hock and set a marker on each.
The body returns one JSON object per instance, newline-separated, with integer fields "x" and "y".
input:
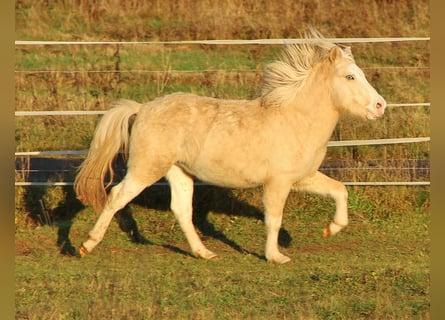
{"x": 277, "y": 140}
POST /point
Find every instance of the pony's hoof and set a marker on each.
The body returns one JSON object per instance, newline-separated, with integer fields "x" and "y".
{"x": 214, "y": 258}
{"x": 332, "y": 229}
{"x": 326, "y": 232}
{"x": 83, "y": 252}
{"x": 206, "y": 254}
{"x": 279, "y": 259}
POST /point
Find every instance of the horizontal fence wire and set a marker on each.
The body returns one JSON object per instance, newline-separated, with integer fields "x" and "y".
{"x": 220, "y": 42}
{"x": 347, "y": 143}
{"x": 35, "y": 71}
{"x": 100, "y": 112}
{"x": 344, "y": 143}
{"x": 198, "y": 183}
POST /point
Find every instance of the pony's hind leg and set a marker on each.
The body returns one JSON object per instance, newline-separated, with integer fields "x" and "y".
{"x": 119, "y": 196}
{"x": 181, "y": 185}
{"x": 322, "y": 184}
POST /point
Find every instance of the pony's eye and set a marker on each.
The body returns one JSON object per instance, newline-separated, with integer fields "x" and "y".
{"x": 349, "y": 77}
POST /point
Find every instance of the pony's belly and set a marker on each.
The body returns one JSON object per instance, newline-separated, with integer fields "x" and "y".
{"x": 229, "y": 182}
{"x": 225, "y": 177}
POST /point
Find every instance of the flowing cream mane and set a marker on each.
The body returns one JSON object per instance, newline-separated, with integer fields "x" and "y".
{"x": 283, "y": 78}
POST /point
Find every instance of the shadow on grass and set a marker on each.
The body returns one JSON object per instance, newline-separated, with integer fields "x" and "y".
{"x": 219, "y": 200}
{"x": 64, "y": 208}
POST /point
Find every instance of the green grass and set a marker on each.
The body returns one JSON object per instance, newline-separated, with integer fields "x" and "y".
{"x": 378, "y": 267}
{"x": 136, "y": 57}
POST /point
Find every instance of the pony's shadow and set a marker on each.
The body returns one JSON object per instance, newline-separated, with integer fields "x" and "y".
{"x": 47, "y": 206}
{"x": 206, "y": 199}
{"x": 224, "y": 202}
{"x": 63, "y": 216}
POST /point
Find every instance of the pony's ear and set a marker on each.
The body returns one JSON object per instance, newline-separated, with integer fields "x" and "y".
{"x": 335, "y": 53}
{"x": 347, "y": 50}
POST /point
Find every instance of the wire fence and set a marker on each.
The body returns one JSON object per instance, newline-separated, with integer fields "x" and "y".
{"x": 101, "y": 112}
{"x": 220, "y": 42}
{"x": 346, "y": 143}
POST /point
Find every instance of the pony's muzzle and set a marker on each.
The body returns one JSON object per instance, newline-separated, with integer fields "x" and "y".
{"x": 380, "y": 107}
{"x": 377, "y": 110}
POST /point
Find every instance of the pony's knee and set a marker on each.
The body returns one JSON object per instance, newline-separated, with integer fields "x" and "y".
{"x": 181, "y": 189}
{"x": 340, "y": 193}
{"x": 273, "y": 222}
{"x": 121, "y": 194}
{"x": 179, "y": 209}
{"x": 181, "y": 200}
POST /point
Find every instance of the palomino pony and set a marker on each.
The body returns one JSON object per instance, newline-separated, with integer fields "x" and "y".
{"x": 277, "y": 141}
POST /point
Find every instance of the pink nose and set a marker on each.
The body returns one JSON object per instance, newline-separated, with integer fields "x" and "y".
{"x": 380, "y": 107}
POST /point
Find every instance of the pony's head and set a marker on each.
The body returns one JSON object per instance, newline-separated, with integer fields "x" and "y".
{"x": 346, "y": 85}
{"x": 350, "y": 90}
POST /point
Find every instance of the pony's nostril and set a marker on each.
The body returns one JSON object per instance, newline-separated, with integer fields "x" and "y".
{"x": 380, "y": 108}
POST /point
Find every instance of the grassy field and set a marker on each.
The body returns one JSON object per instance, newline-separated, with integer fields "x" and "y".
{"x": 377, "y": 268}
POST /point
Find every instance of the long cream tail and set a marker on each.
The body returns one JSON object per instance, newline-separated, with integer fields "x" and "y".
{"x": 112, "y": 134}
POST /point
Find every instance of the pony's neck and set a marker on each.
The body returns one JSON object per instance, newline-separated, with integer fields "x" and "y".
{"x": 313, "y": 109}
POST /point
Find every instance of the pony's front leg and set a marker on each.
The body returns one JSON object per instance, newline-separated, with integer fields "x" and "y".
{"x": 181, "y": 185}
{"x": 274, "y": 198}
{"x": 323, "y": 185}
